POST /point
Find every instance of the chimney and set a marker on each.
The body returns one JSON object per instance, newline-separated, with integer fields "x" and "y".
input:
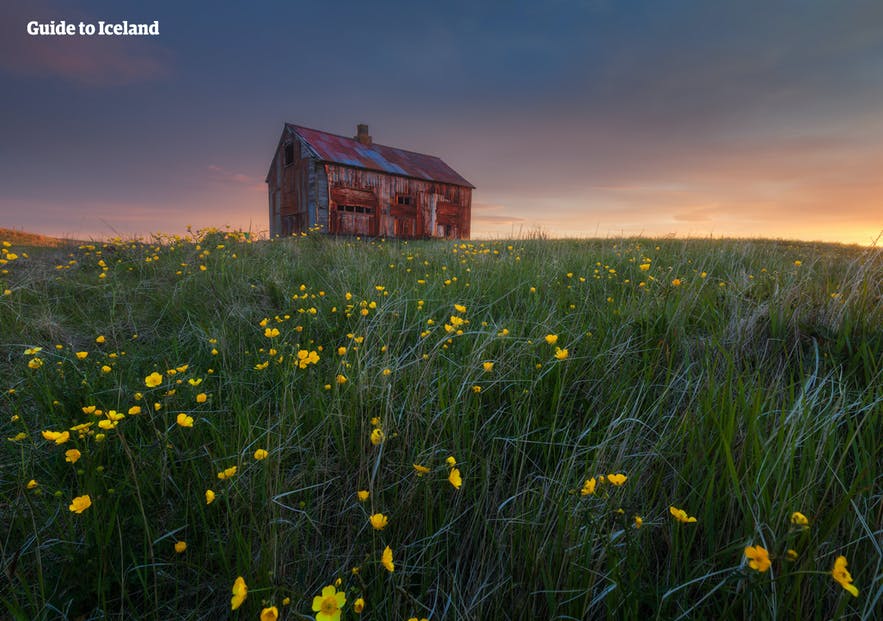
{"x": 362, "y": 136}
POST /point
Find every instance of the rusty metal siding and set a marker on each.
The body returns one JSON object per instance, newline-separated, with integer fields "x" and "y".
{"x": 356, "y": 201}
{"x": 352, "y": 186}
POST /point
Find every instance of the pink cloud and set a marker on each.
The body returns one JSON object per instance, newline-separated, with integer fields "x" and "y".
{"x": 223, "y": 175}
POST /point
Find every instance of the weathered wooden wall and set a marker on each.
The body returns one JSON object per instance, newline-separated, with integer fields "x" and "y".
{"x": 352, "y": 201}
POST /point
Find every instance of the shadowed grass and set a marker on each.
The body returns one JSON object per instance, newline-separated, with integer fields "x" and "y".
{"x": 739, "y": 381}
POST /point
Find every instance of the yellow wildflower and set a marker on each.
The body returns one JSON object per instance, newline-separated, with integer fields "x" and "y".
{"x": 184, "y": 421}
{"x": 639, "y": 521}
{"x": 228, "y": 473}
{"x": 359, "y": 606}
{"x": 551, "y": 339}
{"x": 454, "y": 478}
{"x": 451, "y": 461}
{"x": 421, "y": 470}
{"x": 362, "y": 495}
{"x": 201, "y": 397}
{"x": 270, "y": 614}
{"x": 798, "y": 519}
{"x": 32, "y": 484}
{"x": 341, "y": 379}
{"x": 329, "y": 604}
{"x": 459, "y": 308}
{"x": 759, "y": 558}
{"x": 842, "y": 576}
{"x": 35, "y": 363}
{"x": 72, "y": 455}
{"x": 134, "y": 410}
{"x": 386, "y": 560}
{"x": 81, "y": 355}
{"x": 487, "y": 366}
{"x": 153, "y": 380}
{"x": 616, "y": 479}
{"x": 59, "y": 437}
{"x": 676, "y": 282}
{"x": 377, "y": 436}
{"x": 180, "y": 547}
{"x": 260, "y": 454}
{"x": 240, "y": 592}
{"x": 100, "y": 338}
{"x": 589, "y": 487}
{"x": 80, "y": 504}
{"x": 378, "y": 521}
{"x": 680, "y": 515}
{"x": 271, "y": 333}
{"x": 561, "y": 354}
{"x": 209, "y": 496}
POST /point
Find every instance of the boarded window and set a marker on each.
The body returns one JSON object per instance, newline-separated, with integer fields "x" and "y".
{"x": 289, "y": 153}
{"x": 404, "y": 199}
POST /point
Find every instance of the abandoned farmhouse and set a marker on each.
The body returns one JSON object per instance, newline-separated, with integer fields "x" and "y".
{"x": 352, "y": 186}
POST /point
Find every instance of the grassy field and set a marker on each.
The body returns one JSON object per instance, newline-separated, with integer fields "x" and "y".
{"x": 547, "y": 429}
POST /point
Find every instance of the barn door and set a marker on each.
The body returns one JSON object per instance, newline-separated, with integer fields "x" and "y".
{"x": 354, "y": 212}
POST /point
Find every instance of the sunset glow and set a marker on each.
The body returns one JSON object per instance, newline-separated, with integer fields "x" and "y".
{"x": 574, "y": 119}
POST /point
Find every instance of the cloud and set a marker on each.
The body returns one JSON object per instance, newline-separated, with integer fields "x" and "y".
{"x": 222, "y": 175}
{"x": 487, "y": 213}
{"x": 93, "y": 61}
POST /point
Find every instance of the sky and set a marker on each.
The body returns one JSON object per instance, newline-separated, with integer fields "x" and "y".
{"x": 574, "y": 118}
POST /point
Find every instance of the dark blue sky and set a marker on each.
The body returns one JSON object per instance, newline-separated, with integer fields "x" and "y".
{"x": 580, "y": 117}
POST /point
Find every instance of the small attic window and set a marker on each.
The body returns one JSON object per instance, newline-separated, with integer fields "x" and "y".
{"x": 289, "y": 153}
{"x": 404, "y": 199}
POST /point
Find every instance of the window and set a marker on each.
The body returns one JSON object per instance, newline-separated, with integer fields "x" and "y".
{"x": 355, "y": 209}
{"x": 404, "y": 199}
{"x": 289, "y": 153}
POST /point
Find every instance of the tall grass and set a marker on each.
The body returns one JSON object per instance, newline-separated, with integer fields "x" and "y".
{"x": 739, "y": 381}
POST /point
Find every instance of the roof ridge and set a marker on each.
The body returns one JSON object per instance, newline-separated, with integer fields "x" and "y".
{"x": 386, "y": 146}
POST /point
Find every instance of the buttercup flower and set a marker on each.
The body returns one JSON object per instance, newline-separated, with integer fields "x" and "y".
{"x": 842, "y": 576}
{"x": 561, "y": 354}
{"x": 32, "y": 484}
{"x": 487, "y": 366}
{"x": 329, "y": 604}
{"x": 72, "y": 455}
{"x": 378, "y": 521}
{"x": 240, "y": 592}
{"x": 377, "y": 436}
{"x": 589, "y": 487}
{"x": 185, "y": 421}
{"x": 421, "y": 470}
{"x": 359, "y": 606}
{"x": 362, "y": 495}
{"x": 386, "y": 560}
{"x": 639, "y": 521}
{"x": 260, "y": 454}
{"x": 82, "y": 355}
{"x": 201, "y": 397}
{"x": 759, "y": 558}
{"x": 455, "y": 479}
{"x": 80, "y": 504}
{"x": 798, "y": 519}
{"x": 226, "y": 474}
{"x": 680, "y": 515}
{"x": 209, "y": 496}
{"x": 271, "y": 333}
{"x": 270, "y": 614}
{"x": 180, "y": 547}
{"x": 153, "y": 380}
{"x": 616, "y": 479}
{"x": 551, "y": 339}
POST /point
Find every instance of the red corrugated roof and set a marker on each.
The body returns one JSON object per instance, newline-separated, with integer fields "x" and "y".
{"x": 350, "y": 152}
